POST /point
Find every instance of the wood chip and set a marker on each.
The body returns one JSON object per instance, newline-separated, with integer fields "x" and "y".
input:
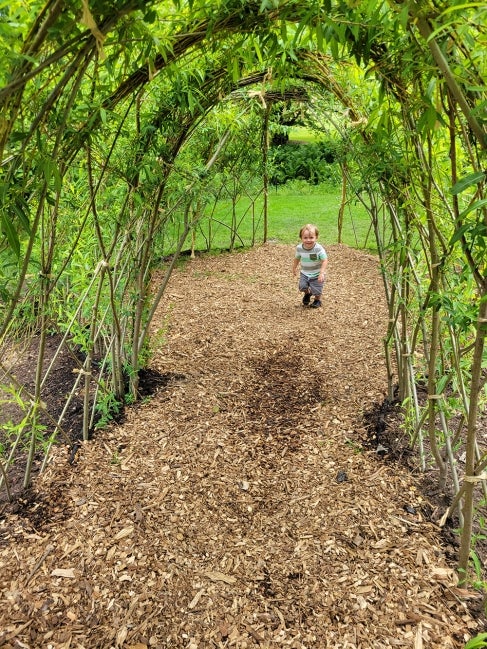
{"x": 67, "y": 573}
{"x": 127, "y": 531}
{"x": 219, "y": 576}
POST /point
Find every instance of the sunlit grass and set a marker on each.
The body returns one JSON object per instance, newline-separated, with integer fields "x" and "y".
{"x": 289, "y": 208}
{"x": 301, "y": 134}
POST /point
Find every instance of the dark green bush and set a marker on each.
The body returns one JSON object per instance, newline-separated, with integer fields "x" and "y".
{"x": 314, "y": 162}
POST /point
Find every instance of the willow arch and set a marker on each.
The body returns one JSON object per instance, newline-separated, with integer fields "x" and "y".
{"x": 90, "y": 137}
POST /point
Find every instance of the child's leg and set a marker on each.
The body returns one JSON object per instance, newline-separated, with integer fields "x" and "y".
{"x": 305, "y": 288}
{"x": 303, "y": 284}
{"x": 316, "y": 288}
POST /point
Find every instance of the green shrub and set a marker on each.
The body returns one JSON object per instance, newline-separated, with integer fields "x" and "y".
{"x": 313, "y": 162}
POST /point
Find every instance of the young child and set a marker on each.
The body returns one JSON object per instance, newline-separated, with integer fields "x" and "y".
{"x": 313, "y": 259}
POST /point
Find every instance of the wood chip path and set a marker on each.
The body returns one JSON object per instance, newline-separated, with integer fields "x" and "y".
{"x": 236, "y": 507}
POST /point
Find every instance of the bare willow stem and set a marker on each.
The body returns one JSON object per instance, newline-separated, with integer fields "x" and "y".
{"x": 476, "y": 381}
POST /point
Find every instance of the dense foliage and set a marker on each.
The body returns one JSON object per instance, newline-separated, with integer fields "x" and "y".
{"x": 122, "y": 125}
{"x": 314, "y": 162}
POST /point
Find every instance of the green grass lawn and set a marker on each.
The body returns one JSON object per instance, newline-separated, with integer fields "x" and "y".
{"x": 302, "y": 134}
{"x": 289, "y": 208}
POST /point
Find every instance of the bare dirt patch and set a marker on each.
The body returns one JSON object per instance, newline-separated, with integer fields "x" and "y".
{"x": 237, "y": 507}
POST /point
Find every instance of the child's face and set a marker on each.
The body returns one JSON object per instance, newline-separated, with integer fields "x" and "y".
{"x": 308, "y": 238}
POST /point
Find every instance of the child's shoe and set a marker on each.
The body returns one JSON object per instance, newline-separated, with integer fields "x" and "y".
{"x": 306, "y": 299}
{"x": 315, "y": 304}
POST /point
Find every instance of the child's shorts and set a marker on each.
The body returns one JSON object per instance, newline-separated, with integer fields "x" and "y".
{"x": 310, "y": 283}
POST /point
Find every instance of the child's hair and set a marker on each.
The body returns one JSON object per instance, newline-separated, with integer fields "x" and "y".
{"x": 311, "y": 228}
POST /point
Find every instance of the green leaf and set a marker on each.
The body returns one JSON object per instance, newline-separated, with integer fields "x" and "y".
{"x": 11, "y": 234}
{"x": 151, "y": 16}
{"x": 477, "y": 232}
{"x": 319, "y": 36}
{"x": 235, "y": 69}
{"x": 23, "y": 217}
{"x": 461, "y": 7}
{"x": 258, "y": 51}
{"x": 458, "y": 234}
{"x": 442, "y": 383}
{"x": 479, "y": 642}
{"x": 476, "y": 562}
{"x": 474, "y": 206}
{"x": 467, "y": 181}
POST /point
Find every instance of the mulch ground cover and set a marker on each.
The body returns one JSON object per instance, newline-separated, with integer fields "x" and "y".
{"x": 238, "y": 505}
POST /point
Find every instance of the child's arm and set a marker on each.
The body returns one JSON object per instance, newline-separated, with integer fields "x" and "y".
{"x": 321, "y": 276}
{"x": 295, "y": 265}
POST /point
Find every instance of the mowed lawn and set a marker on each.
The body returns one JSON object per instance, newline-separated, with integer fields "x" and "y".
{"x": 289, "y": 207}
